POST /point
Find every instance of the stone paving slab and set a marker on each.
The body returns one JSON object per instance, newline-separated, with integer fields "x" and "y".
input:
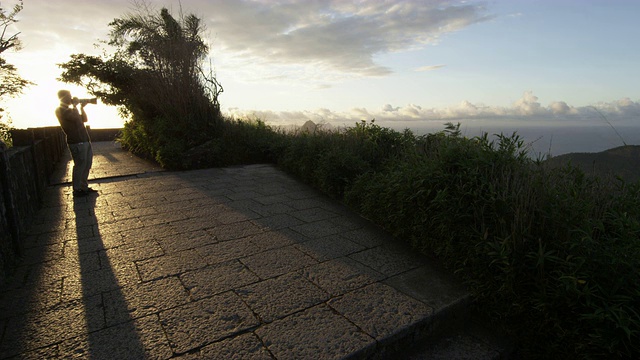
{"x": 234, "y": 263}
{"x": 109, "y": 160}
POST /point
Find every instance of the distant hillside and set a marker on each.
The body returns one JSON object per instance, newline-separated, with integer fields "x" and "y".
{"x": 623, "y": 161}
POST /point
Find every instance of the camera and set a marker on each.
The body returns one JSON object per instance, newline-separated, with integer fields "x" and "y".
{"x": 83, "y": 102}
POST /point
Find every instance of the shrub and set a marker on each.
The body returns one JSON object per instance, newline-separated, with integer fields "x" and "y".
{"x": 552, "y": 255}
{"x": 238, "y": 141}
{"x": 333, "y": 160}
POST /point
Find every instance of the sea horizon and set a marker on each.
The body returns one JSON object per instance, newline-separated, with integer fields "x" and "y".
{"x": 545, "y": 139}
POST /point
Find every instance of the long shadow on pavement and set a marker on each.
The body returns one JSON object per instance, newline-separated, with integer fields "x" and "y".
{"x": 101, "y": 287}
{"x": 60, "y": 299}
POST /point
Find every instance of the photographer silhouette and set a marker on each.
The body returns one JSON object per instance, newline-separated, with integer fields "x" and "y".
{"x": 78, "y": 141}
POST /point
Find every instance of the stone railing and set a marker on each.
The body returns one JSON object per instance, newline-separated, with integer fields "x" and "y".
{"x": 24, "y": 172}
{"x": 24, "y": 176}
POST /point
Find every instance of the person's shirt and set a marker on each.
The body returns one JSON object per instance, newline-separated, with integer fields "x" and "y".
{"x": 72, "y": 124}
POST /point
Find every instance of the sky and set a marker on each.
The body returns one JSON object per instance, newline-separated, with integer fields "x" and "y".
{"x": 502, "y": 63}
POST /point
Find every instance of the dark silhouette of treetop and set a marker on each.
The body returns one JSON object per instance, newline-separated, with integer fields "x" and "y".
{"x": 156, "y": 77}
{"x": 11, "y": 83}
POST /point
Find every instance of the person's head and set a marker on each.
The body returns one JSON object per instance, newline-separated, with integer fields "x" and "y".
{"x": 65, "y": 97}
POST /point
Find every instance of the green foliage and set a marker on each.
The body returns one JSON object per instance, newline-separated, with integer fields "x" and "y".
{"x": 552, "y": 254}
{"x": 240, "y": 142}
{"x": 332, "y": 160}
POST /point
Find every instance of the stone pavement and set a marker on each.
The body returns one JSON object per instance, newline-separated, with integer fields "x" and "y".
{"x": 109, "y": 161}
{"x": 231, "y": 263}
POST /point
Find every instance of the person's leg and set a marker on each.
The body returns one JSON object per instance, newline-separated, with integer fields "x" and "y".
{"x": 88, "y": 161}
{"x": 78, "y": 156}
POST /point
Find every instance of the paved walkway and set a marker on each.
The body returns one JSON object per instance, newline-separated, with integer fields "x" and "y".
{"x": 233, "y": 263}
{"x": 109, "y": 161}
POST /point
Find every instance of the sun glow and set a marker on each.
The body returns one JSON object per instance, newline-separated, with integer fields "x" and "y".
{"x": 36, "y": 106}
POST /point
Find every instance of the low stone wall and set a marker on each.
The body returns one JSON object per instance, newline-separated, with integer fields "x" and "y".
{"x": 24, "y": 177}
{"x": 103, "y": 134}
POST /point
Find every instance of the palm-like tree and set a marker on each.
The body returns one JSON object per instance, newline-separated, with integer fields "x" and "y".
{"x": 155, "y": 74}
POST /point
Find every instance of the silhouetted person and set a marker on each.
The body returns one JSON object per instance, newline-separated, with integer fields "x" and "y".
{"x": 72, "y": 122}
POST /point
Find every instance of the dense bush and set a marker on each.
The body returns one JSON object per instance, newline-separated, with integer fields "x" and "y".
{"x": 551, "y": 253}
{"x": 237, "y": 142}
{"x": 332, "y": 160}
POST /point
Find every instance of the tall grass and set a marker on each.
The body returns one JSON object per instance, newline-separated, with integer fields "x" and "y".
{"x": 551, "y": 255}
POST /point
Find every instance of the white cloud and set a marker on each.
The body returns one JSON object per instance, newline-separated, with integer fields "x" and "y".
{"x": 623, "y": 106}
{"x": 528, "y": 105}
{"x": 334, "y": 35}
{"x": 360, "y": 114}
{"x": 319, "y": 41}
{"x": 389, "y": 108}
{"x": 412, "y": 111}
{"x": 561, "y": 108}
{"x": 429, "y": 68}
{"x": 67, "y": 26}
{"x": 524, "y": 110}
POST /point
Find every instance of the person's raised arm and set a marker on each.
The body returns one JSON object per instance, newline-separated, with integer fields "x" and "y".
{"x": 83, "y": 113}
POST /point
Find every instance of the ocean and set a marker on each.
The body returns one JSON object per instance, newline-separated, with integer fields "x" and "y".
{"x": 544, "y": 138}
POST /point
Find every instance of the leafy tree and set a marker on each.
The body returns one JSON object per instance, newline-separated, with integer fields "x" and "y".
{"x": 11, "y": 84}
{"x": 156, "y": 77}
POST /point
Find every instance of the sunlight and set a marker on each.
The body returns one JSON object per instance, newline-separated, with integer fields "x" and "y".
{"x": 36, "y": 106}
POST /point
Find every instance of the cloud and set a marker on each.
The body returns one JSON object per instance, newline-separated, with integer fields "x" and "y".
{"x": 412, "y": 111}
{"x": 390, "y": 108}
{"x": 528, "y": 105}
{"x": 67, "y": 26}
{"x": 335, "y": 35}
{"x": 429, "y": 68}
{"x": 323, "y": 86}
{"x": 561, "y": 108}
{"x": 321, "y": 40}
{"x": 523, "y": 111}
{"x": 625, "y": 107}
